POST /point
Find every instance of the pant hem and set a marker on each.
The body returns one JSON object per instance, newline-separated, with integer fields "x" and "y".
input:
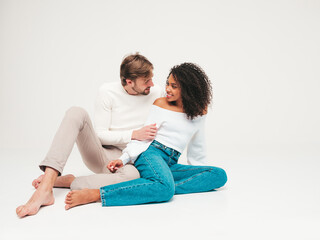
{"x": 55, "y": 166}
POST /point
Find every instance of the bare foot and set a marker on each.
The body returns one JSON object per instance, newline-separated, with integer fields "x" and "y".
{"x": 38, "y": 199}
{"x": 43, "y": 196}
{"x": 61, "y": 182}
{"x": 80, "y": 197}
{"x": 64, "y": 181}
{"x": 37, "y": 181}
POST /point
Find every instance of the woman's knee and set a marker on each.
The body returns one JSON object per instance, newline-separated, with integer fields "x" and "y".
{"x": 165, "y": 191}
{"x": 218, "y": 177}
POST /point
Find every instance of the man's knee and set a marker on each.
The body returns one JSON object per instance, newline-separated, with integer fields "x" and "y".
{"x": 76, "y": 114}
{"x": 129, "y": 172}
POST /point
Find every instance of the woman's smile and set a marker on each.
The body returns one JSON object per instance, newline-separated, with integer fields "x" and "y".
{"x": 169, "y": 95}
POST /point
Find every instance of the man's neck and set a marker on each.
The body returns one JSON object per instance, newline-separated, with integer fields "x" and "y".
{"x": 129, "y": 90}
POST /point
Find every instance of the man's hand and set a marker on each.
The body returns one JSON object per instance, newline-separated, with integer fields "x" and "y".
{"x": 145, "y": 133}
{"x": 115, "y": 165}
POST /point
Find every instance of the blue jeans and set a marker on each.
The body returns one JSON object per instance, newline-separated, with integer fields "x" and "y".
{"x": 160, "y": 178}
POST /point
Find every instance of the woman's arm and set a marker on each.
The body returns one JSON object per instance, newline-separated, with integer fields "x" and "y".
{"x": 115, "y": 165}
{"x": 134, "y": 148}
{"x": 196, "y": 153}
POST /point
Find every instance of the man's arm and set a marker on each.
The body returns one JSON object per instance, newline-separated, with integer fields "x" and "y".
{"x": 135, "y": 148}
{"x": 102, "y": 122}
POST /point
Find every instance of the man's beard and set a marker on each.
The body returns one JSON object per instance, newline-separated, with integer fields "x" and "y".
{"x": 144, "y": 92}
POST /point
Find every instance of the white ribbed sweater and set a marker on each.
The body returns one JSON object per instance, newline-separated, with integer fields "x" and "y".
{"x": 118, "y": 113}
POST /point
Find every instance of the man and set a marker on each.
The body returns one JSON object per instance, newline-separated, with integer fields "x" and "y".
{"x": 120, "y": 111}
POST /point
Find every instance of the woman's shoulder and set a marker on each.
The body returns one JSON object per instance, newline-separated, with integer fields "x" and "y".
{"x": 161, "y": 102}
{"x": 164, "y": 104}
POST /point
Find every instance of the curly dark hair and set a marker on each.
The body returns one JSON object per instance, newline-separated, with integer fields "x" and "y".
{"x": 196, "y": 89}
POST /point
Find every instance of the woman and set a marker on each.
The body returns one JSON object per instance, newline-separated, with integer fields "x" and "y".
{"x": 180, "y": 120}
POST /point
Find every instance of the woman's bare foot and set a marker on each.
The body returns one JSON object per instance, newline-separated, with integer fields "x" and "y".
{"x": 61, "y": 182}
{"x": 80, "y": 197}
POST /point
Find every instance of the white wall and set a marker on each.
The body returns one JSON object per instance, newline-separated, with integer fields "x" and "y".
{"x": 263, "y": 58}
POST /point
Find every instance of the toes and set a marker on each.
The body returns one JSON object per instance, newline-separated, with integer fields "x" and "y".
{"x": 70, "y": 205}
{"x": 68, "y": 198}
{"x": 70, "y": 194}
{"x": 22, "y": 211}
{"x": 35, "y": 183}
{"x": 18, "y": 210}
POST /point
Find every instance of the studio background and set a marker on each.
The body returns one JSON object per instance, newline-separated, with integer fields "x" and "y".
{"x": 262, "y": 57}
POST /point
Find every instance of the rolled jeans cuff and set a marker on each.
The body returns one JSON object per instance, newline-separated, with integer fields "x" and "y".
{"x": 103, "y": 198}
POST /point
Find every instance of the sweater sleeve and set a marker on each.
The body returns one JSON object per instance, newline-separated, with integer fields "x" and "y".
{"x": 102, "y": 122}
{"x": 196, "y": 153}
{"x": 134, "y": 148}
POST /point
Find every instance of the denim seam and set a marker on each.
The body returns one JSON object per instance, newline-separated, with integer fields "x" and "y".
{"x": 121, "y": 188}
{"x": 186, "y": 170}
{"x": 194, "y": 176}
{"x": 104, "y": 198}
{"x": 160, "y": 180}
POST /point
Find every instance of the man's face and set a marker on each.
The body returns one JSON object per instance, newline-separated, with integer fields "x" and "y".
{"x": 142, "y": 85}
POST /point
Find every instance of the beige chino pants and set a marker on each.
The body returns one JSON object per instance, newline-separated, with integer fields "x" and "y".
{"x": 77, "y": 127}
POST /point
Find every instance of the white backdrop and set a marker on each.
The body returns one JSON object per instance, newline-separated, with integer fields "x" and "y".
{"x": 262, "y": 57}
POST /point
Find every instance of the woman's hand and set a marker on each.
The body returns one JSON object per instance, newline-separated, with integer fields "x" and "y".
{"x": 115, "y": 165}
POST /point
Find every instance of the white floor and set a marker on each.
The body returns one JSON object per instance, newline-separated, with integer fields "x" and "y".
{"x": 271, "y": 194}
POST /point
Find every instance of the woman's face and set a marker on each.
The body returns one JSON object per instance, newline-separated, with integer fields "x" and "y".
{"x": 173, "y": 90}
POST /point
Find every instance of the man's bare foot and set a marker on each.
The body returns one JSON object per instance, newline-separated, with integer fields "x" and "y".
{"x": 38, "y": 199}
{"x": 43, "y": 196}
{"x": 61, "y": 182}
{"x": 80, "y": 197}
{"x": 36, "y": 182}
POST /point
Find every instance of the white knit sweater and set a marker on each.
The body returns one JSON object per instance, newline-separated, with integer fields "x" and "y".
{"x": 118, "y": 113}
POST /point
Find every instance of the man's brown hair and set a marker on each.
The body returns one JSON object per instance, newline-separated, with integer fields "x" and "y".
{"x": 134, "y": 66}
